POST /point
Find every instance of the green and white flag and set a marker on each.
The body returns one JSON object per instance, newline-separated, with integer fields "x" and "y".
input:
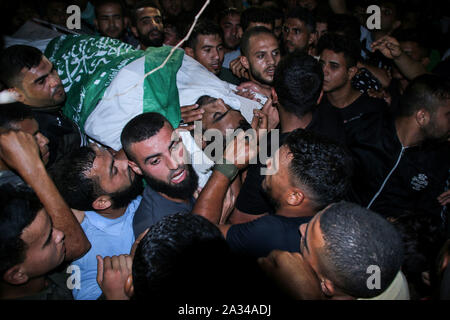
{"x": 88, "y": 65}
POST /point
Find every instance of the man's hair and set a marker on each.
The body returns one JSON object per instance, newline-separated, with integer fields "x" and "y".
{"x": 203, "y": 28}
{"x": 12, "y": 113}
{"x": 228, "y": 12}
{"x": 356, "y": 238}
{"x": 100, "y": 3}
{"x": 141, "y": 4}
{"x": 256, "y": 14}
{"x": 320, "y": 166}
{"x": 250, "y": 33}
{"x": 344, "y": 24}
{"x": 140, "y": 128}
{"x": 341, "y": 44}
{"x": 179, "y": 249}
{"x": 298, "y": 82}
{"x": 304, "y": 16}
{"x": 414, "y": 35}
{"x": 17, "y": 211}
{"x": 427, "y": 91}
{"x": 13, "y": 59}
{"x": 70, "y": 175}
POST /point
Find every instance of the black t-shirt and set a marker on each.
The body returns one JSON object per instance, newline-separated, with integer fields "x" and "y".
{"x": 361, "y": 106}
{"x": 251, "y": 200}
{"x": 259, "y": 237}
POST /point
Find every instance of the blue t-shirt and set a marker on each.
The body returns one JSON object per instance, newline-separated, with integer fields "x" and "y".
{"x": 108, "y": 237}
{"x": 259, "y": 237}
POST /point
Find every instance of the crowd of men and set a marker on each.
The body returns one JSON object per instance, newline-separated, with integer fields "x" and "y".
{"x": 352, "y": 202}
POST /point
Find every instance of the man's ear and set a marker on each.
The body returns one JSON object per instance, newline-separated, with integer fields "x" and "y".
{"x": 135, "y": 167}
{"x": 320, "y": 97}
{"x": 96, "y": 24}
{"x": 327, "y": 287}
{"x": 126, "y": 21}
{"x": 129, "y": 287}
{"x": 244, "y": 62}
{"x": 102, "y": 203}
{"x": 295, "y": 197}
{"x": 189, "y": 52}
{"x": 396, "y": 25}
{"x": 15, "y": 275}
{"x": 422, "y": 117}
{"x": 425, "y": 61}
{"x": 352, "y": 72}
{"x": 274, "y": 97}
{"x": 312, "y": 37}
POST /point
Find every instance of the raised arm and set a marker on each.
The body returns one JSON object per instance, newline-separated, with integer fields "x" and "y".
{"x": 20, "y": 152}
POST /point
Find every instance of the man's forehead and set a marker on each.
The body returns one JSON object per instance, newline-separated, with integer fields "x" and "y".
{"x": 38, "y": 228}
{"x": 156, "y": 143}
{"x": 148, "y": 12}
{"x": 109, "y": 7}
{"x": 209, "y": 40}
{"x": 294, "y": 22}
{"x": 263, "y": 41}
{"x": 26, "y": 125}
{"x": 43, "y": 67}
{"x": 232, "y": 18}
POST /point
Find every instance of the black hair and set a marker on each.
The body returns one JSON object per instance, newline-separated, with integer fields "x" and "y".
{"x": 141, "y": 4}
{"x": 17, "y": 211}
{"x": 414, "y": 35}
{"x": 171, "y": 250}
{"x": 341, "y": 44}
{"x": 100, "y": 3}
{"x": 205, "y": 28}
{"x": 70, "y": 175}
{"x": 320, "y": 166}
{"x": 185, "y": 255}
{"x": 355, "y": 239}
{"x": 13, "y": 113}
{"x": 303, "y": 15}
{"x": 256, "y": 14}
{"x": 13, "y": 59}
{"x": 298, "y": 82}
{"x": 344, "y": 24}
{"x": 228, "y": 12}
{"x": 253, "y": 32}
{"x": 140, "y": 128}
{"x": 427, "y": 91}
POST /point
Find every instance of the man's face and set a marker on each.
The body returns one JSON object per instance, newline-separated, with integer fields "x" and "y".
{"x": 438, "y": 127}
{"x": 161, "y": 160}
{"x": 388, "y": 17}
{"x": 110, "y": 21}
{"x": 413, "y": 50}
{"x": 220, "y": 116}
{"x": 209, "y": 52}
{"x": 31, "y": 126}
{"x": 46, "y": 249}
{"x": 277, "y": 184}
{"x": 149, "y": 27}
{"x": 172, "y": 7}
{"x": 335, "y": 71}
{"x": 114, "y": 177}
{"x": 41, "y": 86}
{"x": 262, "y": 58}
{"x": 56, "y": 13}
{"x": 231, "y": 27}
{"x": 296, "y": 35}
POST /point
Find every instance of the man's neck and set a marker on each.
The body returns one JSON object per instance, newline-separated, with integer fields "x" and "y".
{"x": 344, "y": 96}
{"x": 408, "y": 133}
{"x": 30, "y": 288}
{"x": 289, "y": 122}
{"x": 296, "y": 212}
{"x": 113, "y": 213}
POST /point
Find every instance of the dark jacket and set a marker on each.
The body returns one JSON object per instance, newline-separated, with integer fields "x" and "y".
{"x": 391, "y": 179}
{"x": 63, "y": 134}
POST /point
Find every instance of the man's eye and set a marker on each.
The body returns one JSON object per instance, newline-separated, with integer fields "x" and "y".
{"x": 155, "y": 162}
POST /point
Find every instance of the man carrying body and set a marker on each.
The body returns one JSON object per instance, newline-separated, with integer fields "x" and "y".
{"x": 110, "y": 19}
{"x": 156, "y": 152}
{"x": 34, "y": 81}
{"x": 107, "y": 192}
{"x": 147, "y": 25}
{"x": 299, "y": 31}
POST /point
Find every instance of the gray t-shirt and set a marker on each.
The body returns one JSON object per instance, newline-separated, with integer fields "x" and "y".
{"x": 154, "y": 207}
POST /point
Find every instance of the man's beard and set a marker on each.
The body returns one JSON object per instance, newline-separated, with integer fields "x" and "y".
{"x": 123, "y": 198}
{"x": 183, "y": 190}
{"x": 155, "y": 42}
{"x": 259, "y": 77}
